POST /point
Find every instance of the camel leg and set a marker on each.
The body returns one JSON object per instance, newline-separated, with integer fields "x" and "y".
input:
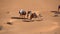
{"x": 58, "y": 9}
{"x": 20, "y": 15}
{"x": 24, "y": 16}
{"x": 27, "y": 16}
{"x": 31, "y": 18}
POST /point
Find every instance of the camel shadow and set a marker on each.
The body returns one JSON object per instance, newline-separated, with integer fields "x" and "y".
{"x": 31, "y": 20}
{"x": 39, "y": 20}
{"x": 10, "y": 23}
{"x": 17, "y": 18}
{"x": 1, "y": 27}
{"x": 56, "y": 13}
{"x": 27, "y": 20}
{"x": 24, "y": 19}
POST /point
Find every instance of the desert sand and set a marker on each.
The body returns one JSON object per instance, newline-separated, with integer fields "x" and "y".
{"x": 10, "y": 8}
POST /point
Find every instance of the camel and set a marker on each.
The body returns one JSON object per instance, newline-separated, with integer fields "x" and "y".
{"x": 33, "y": 15}
{"x": 22, "y": 13}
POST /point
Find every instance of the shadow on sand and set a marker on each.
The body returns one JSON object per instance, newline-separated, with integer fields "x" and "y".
{"x": 17, "y": 18}
{"x": 54, "y": 11}
{"x": 24, "y": 19}
{"x": 1, "y": 27}
{"x": 10, "y": 23}
{"x": 39, "y": 20}
{"x": 27, "y": 20}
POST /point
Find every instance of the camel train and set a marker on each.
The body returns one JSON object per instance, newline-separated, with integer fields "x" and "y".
{"x": 29, "y": 13}
{"x": 23, "y": 13}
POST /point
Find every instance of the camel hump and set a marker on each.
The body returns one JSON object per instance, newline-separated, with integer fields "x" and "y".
{"x": 22, "y": 12}
{"x": 34, "y": 15}
{"x": 29, "y": 12}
